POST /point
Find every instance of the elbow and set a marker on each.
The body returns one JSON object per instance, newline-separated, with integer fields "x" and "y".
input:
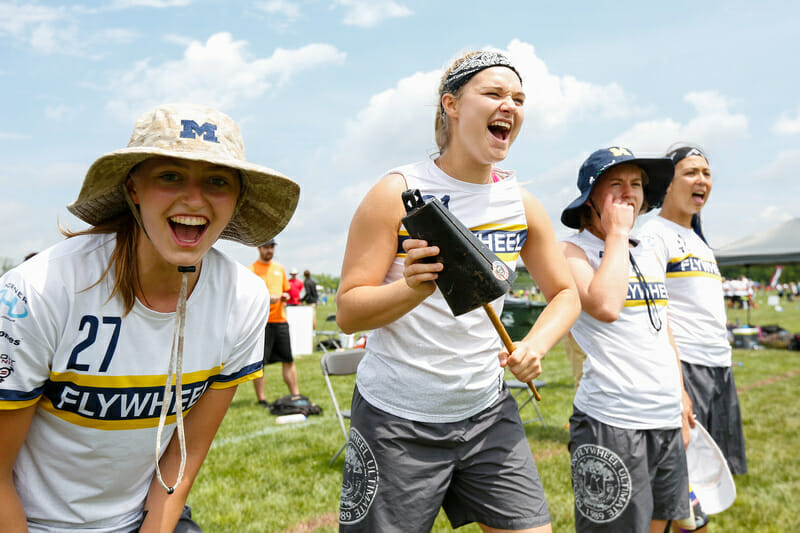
{"x": 347, "y": 326}
{"x": 605, "y": 314}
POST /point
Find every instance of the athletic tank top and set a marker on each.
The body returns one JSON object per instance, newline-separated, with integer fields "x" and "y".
{"x": 696, "y": 304}
{"x": 428, "y": 365}
{"x": 630, "y": 376}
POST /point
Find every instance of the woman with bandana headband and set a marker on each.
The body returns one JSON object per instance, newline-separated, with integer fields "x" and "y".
{"x": 433, "y": 424}
{"x": 696, "y": 303}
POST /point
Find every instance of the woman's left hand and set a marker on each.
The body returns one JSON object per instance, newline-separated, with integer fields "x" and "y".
{"x": 524, "y": 362}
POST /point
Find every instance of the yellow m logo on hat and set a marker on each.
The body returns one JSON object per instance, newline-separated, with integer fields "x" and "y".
{"x": 619, "y": 151}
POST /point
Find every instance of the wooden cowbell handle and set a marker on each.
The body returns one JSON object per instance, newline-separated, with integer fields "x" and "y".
{"x": 507, "y": 342}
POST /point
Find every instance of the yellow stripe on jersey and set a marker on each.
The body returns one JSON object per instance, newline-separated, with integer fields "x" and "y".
{"x": 125, "y": 382}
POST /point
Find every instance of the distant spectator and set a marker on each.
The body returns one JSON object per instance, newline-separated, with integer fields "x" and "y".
{"x": 295, "y": 288}
{"x": 311, "y": 296}
{"x": 277, "y": 341}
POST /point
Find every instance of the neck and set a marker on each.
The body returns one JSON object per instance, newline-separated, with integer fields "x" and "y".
{"x": 159, "y": 281}
{"x": 675, "y": 215}
{"x": 458, "y": 165}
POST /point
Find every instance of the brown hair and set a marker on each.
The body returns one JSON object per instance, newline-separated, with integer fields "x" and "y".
{"x": 440, "y": 128}
{"x": 123, "y": 257}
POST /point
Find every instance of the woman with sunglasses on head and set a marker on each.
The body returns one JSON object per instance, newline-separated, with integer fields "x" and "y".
{"x": 628, "y": 460}
{"x": 696, "y": 303}
{"x": 433, "y": 424}
{"x": 129, "y": 338}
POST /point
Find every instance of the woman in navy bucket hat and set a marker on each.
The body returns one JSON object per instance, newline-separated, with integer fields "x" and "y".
{"x": 628, "y": 461}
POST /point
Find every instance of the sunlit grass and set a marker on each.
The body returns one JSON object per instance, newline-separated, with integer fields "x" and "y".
{"x": 261, "y": 477}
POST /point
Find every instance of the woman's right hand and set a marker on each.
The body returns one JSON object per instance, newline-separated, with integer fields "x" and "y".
{"x": 418, "y": 274}
{"x": 618, "y": 215}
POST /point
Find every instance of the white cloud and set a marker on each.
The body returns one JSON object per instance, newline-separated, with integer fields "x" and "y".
{"x": 553, "y": 101}
{"x": 782, "y": 168}
{"x": 392, "y": 127}
{"x": 787, "y": 125}
{"x": 370, "y": 13}
{"x": 16, "y": 19}
{"x": 775, "y": 214}
{"x": 290, "y": 10}
{"x": 218, "y": 72}
{"x": 713, "y": 125}
{"x": 54, "y": 30}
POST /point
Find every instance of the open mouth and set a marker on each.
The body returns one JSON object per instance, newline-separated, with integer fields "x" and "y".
{"x": 699, "y": 195}
{"x": 500, "y": 130}
{"x": 188, "y": 229}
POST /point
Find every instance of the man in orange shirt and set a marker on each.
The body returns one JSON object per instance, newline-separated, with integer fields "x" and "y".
{"x": 277, "y": 344}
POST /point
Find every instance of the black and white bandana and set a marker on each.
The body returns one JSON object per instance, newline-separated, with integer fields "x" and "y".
{"x": 684, "y": 152}
{"x": 465, "y": 70}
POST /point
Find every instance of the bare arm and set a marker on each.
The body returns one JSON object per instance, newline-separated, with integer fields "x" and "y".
{"x": 14, "y": 427}
{"x": 687, "y": 410}
{"x": 201, "y": 425}
{"x": 548, "y": 268}
{"x": 363, "y": 302}
{"x": 603, "y": 292}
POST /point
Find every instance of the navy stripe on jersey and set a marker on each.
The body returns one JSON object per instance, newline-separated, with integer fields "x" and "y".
{"x": 20, "y": 396}
{"x": 690, "y": 265}
{"x": 118, "y": 403}
{"x": 249, "y": 369}
{"x": 636, "y": 294}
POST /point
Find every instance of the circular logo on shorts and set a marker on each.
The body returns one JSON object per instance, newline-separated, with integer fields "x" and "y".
{"x": 500, "y": 270}
{"x": 359, "y": 481}
{"x": 601, "y": 482}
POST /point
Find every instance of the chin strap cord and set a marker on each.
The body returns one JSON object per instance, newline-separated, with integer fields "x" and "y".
{"x": 176, "y": 368}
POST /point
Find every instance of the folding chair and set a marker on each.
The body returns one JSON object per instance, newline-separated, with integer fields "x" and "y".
{"x": 340, "y": 363}
{"x": 517, "y": 388}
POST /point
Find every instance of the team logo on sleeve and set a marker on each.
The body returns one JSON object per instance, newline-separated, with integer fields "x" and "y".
{"x": 601, "y": 482}
{"x": 359, "y": 481}
{"x": 6, "y": 366}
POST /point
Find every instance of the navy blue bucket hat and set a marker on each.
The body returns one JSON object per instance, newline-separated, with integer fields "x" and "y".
{"x": 659, "y": 172}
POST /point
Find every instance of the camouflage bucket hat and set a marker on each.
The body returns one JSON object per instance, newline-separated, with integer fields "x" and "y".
{"x": 267, "y": 200}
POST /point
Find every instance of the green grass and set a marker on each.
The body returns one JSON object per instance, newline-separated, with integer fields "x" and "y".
{"x": 261, "y": 477}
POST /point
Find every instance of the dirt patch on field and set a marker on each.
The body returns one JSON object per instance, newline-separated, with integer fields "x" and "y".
{"x": 767, "y": 381}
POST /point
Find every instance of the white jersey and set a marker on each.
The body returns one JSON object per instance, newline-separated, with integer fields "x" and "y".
{"x": 630, "y": 377}
{"x": 97, "y": 377}
{"x": 429, "y": 365}
{"x": 696, "y": 302}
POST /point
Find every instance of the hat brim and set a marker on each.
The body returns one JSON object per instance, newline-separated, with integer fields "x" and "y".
{"x": 266, "y": 204}
{"x": 709, "y": 475}
{"x": 659, "y": 174}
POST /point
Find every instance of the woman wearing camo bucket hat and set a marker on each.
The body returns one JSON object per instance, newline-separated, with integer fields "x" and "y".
{"x": 628, "y": 462}
{"x": 89, "y": 386}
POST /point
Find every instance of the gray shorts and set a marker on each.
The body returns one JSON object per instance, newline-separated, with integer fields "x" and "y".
{"x": 398, "y": 472}
{"x": 625, "y": 478}
{"x": 716, "y": 406}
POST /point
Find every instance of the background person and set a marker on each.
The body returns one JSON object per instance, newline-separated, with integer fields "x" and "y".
{"x": 628, "y": 460}
{"x": 431, "y": 417}
{"x": 295, "y": 288}
{"x": 83, "y": 406}
{"x": 696, "y": 304}
{"x": 277, "y": 342}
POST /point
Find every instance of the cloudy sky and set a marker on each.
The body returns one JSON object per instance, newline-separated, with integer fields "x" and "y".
{"x": 335, "y": 92}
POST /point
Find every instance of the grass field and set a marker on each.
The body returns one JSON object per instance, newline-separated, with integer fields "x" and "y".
{"x": 262, "y": 477}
